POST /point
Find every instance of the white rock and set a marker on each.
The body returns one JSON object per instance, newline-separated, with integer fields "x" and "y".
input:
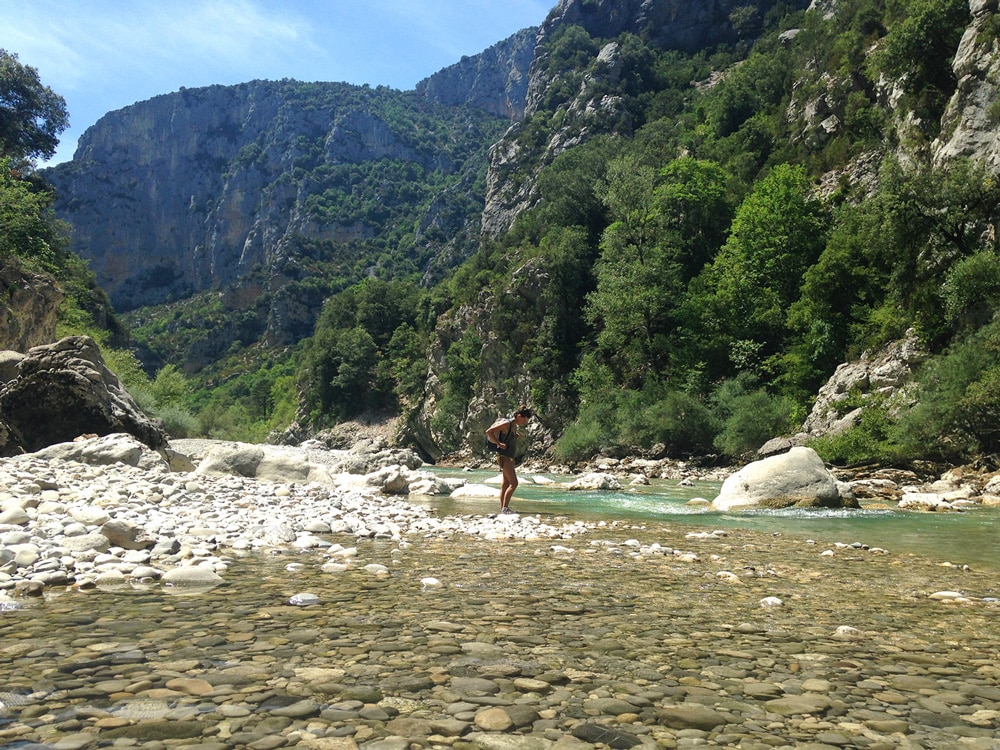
{"x": 16, "y": 516}
{"x": 925, "y": 501}
{"x": 475, "y": 491}
{"x": 595, "y": 481}
{"x": 793, "y": 477}
{"x": 947, "y": 596}
{"x": 90, "y": 516}
{"x": 771, "y": 601}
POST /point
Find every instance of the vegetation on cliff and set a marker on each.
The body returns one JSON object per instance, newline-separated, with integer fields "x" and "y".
{"x": 743, "y": 237}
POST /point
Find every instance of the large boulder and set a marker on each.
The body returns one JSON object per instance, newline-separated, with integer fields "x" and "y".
{"x": 119, "y": 448}
{"x": 64, "y": 390}
{"x": 796, "y": 478}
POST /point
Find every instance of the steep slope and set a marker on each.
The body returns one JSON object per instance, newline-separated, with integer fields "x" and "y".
{"x": 588, "y": 309}
{"x": 592, "y": 104}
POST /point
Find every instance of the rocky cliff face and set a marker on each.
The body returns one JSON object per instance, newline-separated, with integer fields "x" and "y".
{"x": 495, "y": 80}
{"x": 194, "y": 190}
{"x": 969, "y": 127}
{"x": 29, "y": 303}
{"x": 669, "y": 24}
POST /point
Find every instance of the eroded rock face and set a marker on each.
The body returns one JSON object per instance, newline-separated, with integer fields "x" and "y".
{"x": 495, "y": 80}
{"x": 884, "y": 372}
{"x": 968, "y": 127}
{"x": 64, "y": 390}
{"x": 28, "y": 312}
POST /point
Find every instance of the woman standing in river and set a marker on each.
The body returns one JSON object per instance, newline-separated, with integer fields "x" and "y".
{"x": 503, "y": 435}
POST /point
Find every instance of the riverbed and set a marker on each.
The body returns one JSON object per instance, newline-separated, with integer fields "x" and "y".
{"x": 633, "y": 635}
{"x": 585, "y": 620}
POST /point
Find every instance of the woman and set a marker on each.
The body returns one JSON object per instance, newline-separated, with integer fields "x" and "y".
{"x": 503, "y": 434}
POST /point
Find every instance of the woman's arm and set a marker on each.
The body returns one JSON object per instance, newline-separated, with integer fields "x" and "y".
{"x": 493, "y": 433}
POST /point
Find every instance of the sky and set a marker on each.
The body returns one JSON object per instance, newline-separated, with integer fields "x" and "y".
{"x": 102, "y": 55}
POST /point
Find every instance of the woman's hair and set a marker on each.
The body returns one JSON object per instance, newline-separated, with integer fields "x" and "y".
{"x": 524, "y": 411}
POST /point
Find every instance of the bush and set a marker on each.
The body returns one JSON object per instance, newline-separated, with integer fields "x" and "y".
{"x": 630, "y": 422}
{"x": 178, "y": 422}
{"x": 753, "y": 419}
{"x": 871, "y": 440}
{"x": 678, "y": 421}
{"x": 589, "y": 435}
{"x": 957, "y": 413}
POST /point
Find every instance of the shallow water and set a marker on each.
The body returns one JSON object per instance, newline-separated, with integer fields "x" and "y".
{"x": 970, "y": 538}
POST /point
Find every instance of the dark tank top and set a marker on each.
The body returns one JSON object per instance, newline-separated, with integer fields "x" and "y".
{"x": 509, "y": 439}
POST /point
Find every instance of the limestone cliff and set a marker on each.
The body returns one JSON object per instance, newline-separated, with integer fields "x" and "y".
{"x": 248, "y": 189}
{"x": 28, "y": 306}
{"x": 969, "y": 125}
{"x": 495, "y": 80}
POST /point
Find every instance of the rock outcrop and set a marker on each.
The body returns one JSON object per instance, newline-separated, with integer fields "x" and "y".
{"x": 796, "y": 478}
{"x": 968, "y": 127}
{"x": 28, "y": 306}
{"x": 885, "y": 373}
{"x": 64, "y": 390}
{"x": 495, "y": 80}
{"x": 500, "y": 389}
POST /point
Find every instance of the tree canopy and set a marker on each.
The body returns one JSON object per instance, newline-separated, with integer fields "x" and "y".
{"x": 31, "y": 114}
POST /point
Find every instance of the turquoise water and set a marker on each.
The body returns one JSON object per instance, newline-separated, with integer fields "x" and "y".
{"x": 970, "y": 538}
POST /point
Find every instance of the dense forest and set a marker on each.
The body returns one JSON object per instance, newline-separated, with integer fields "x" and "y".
{"x": 728, "y": 226}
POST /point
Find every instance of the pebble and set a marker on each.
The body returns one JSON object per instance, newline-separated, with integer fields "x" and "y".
{"x": 226, "y": 633}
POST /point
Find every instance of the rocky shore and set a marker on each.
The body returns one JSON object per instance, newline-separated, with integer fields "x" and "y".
{"x": 221, "y": 609}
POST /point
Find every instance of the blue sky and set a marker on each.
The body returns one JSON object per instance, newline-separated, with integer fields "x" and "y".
{"x": 101, "y": 55}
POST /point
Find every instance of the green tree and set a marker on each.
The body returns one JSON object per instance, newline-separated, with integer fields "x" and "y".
{"x": 957, "y": 409}
{"x": 31, "y": 115}
{"x": 932, "y": 219}
{"x": 28, "y": 228}
{"x": 777, "y": 234}
{"x": 633, "y": 284}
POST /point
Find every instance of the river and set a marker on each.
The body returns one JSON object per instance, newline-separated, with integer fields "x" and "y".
{"x": 969, "y": 538}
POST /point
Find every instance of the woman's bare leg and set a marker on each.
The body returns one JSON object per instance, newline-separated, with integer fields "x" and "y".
{"x": 509, "y": 483}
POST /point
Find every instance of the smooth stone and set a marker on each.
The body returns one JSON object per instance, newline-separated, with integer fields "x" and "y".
{"x": 690, "y": 716}
{"x": 790, "y": 705}
{"x": 299, "y": 710}
{"x": 616, "y": 739}
{"x": 191, "y": 575}
{"x": 490, "y": 741}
